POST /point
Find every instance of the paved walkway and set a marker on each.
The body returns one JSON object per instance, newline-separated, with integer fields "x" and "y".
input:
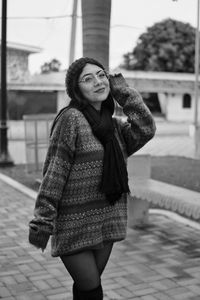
{"x": 159, "y": 262}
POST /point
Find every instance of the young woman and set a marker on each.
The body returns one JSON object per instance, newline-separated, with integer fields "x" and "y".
{"x": 82, "y": 201}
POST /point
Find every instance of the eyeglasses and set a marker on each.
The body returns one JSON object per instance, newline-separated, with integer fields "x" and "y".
{"x": 90, "y": 78}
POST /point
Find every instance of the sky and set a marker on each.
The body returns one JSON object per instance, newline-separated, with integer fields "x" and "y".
{"x": 48, "y": 25}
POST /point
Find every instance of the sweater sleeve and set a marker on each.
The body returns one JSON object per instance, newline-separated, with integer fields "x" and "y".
{"x": 56, "y": 169}
{"x": 140, "y": 126}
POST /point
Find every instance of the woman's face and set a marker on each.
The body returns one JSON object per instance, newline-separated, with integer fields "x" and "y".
{"x": 94, "y": 85}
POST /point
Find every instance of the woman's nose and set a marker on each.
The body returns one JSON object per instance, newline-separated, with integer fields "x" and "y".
{"x": 97, "y": 80}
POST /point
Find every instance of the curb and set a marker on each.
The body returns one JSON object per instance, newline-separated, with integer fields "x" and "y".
{"x": 175, "y": 217}
{"x": 18, "y": 186}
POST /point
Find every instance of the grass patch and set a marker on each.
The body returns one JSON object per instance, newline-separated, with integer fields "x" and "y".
{"x": 180, "y": 171}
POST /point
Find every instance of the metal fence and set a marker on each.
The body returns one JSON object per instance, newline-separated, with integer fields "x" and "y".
{"x": 37, "y": 130}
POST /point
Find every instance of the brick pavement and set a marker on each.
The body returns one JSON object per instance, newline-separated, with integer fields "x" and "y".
{"x": 159, "y": 262}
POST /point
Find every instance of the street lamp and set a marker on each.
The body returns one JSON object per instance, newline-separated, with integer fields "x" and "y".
{"x": 73, "y": 32}
{"x": 5, "y": 159}
{"x": 196, "y": 125}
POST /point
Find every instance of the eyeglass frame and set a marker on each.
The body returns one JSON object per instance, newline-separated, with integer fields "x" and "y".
{"x": 94, "y": 76}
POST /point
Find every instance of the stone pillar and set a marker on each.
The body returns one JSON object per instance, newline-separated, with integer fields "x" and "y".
{"x": 163, "y": 99}
{"x": 197, "y": 142}
{"x": 62, "y": 100}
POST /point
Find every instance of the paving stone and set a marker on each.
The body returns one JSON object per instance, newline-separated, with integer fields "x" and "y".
{"x": 54, "y": 283}
{"x": 187, "y": 295}
{"x": 123, "y": 281}
{"x": 8, "y": 280}
{"x": 124, "y": 293}
{"x": 41, "y": 285}
{"x": 177, "y": 291}
{"x": 113, "y": 295}
{"x": 148, "y": 297}
{"x": 20, "y": 278}
{"x": 55, "y": 291}
{"x": 31, "y": 296}
{"x": 143, "y": 292}
{"x": 4, "y": 292}
{"x": 59, "y": 297}
{"x": 195, "y": 288}
{"x": 16, "y": 289}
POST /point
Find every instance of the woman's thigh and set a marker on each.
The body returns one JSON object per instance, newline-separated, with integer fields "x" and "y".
{"x": 102, "y": 257}
{"x": 83, "y": 269}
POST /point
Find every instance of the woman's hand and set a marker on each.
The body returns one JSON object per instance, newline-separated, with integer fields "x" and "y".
{"x": 117, "y": 83}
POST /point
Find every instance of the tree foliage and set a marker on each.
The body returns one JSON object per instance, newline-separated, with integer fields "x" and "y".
{"x": 167, "y": 46}
{"x": 51, "y": 66}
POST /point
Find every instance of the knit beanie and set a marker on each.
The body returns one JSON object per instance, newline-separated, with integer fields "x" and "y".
{"x": 72, "y": 76}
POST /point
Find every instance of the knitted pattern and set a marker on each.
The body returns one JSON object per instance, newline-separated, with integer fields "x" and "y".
{"x": 69, "y": 205}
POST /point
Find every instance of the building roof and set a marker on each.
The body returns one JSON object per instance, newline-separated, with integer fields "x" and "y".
{"x": 151, "y": 82}
{"x": 54, "y": 81}
{"x": 155, "y": 75}
{"x": 26, "y": 48}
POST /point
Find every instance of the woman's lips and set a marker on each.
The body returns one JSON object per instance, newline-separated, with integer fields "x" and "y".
{"x": 101, "y": 90}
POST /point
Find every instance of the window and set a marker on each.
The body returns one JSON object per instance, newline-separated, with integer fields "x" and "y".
{"x": 187, "y": 102}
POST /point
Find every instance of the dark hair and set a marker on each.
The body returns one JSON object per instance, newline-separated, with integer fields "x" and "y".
{"x": 72, "y": 88}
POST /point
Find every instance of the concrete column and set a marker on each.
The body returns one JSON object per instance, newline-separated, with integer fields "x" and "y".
{"x": 163, "y": 99}
{"x": 62, "y": 100}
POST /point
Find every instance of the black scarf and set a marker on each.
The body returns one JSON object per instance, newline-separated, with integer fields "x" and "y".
{"x": 115, "y": 177}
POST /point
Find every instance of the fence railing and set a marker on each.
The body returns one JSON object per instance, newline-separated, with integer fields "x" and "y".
{"x": 37, "y": 130}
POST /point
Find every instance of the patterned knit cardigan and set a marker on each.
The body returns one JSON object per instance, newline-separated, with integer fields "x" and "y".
{"x": 69, "y": 206}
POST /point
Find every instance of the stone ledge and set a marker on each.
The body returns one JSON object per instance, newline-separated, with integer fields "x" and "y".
{"x": 168, "y": 197}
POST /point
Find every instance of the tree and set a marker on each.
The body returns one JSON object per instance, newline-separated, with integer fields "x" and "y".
{"x": 167, "y": 46}
{"x": 51, "y": 66}
{"x": 96, "y": 29}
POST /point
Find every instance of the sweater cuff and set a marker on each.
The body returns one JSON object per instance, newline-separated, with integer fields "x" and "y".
{"x": 38, "y": 238}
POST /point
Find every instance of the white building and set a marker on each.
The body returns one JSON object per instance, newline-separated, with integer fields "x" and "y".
{"x": 175, "y": 92}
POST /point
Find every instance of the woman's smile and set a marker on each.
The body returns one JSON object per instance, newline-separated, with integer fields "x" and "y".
{"x": 100, "y": 90}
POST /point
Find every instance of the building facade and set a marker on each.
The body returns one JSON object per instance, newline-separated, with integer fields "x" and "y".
{"x": 175, "y": 92}
{"x": 17, "y": 61}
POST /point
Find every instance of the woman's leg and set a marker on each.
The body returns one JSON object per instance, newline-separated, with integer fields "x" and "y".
{"x": 102, "y": 256}
{"x": 83, "y": 269}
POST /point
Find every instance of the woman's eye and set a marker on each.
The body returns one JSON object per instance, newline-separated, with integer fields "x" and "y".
{"x": 102, "y": 75}
{"x": 88, "y": 79}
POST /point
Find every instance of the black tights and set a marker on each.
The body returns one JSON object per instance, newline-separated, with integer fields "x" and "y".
{"x": 86, "y": 267}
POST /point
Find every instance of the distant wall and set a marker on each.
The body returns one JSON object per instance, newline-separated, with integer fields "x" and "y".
{"x": 174, "y": 108}
{"x": 30, "y": 102}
